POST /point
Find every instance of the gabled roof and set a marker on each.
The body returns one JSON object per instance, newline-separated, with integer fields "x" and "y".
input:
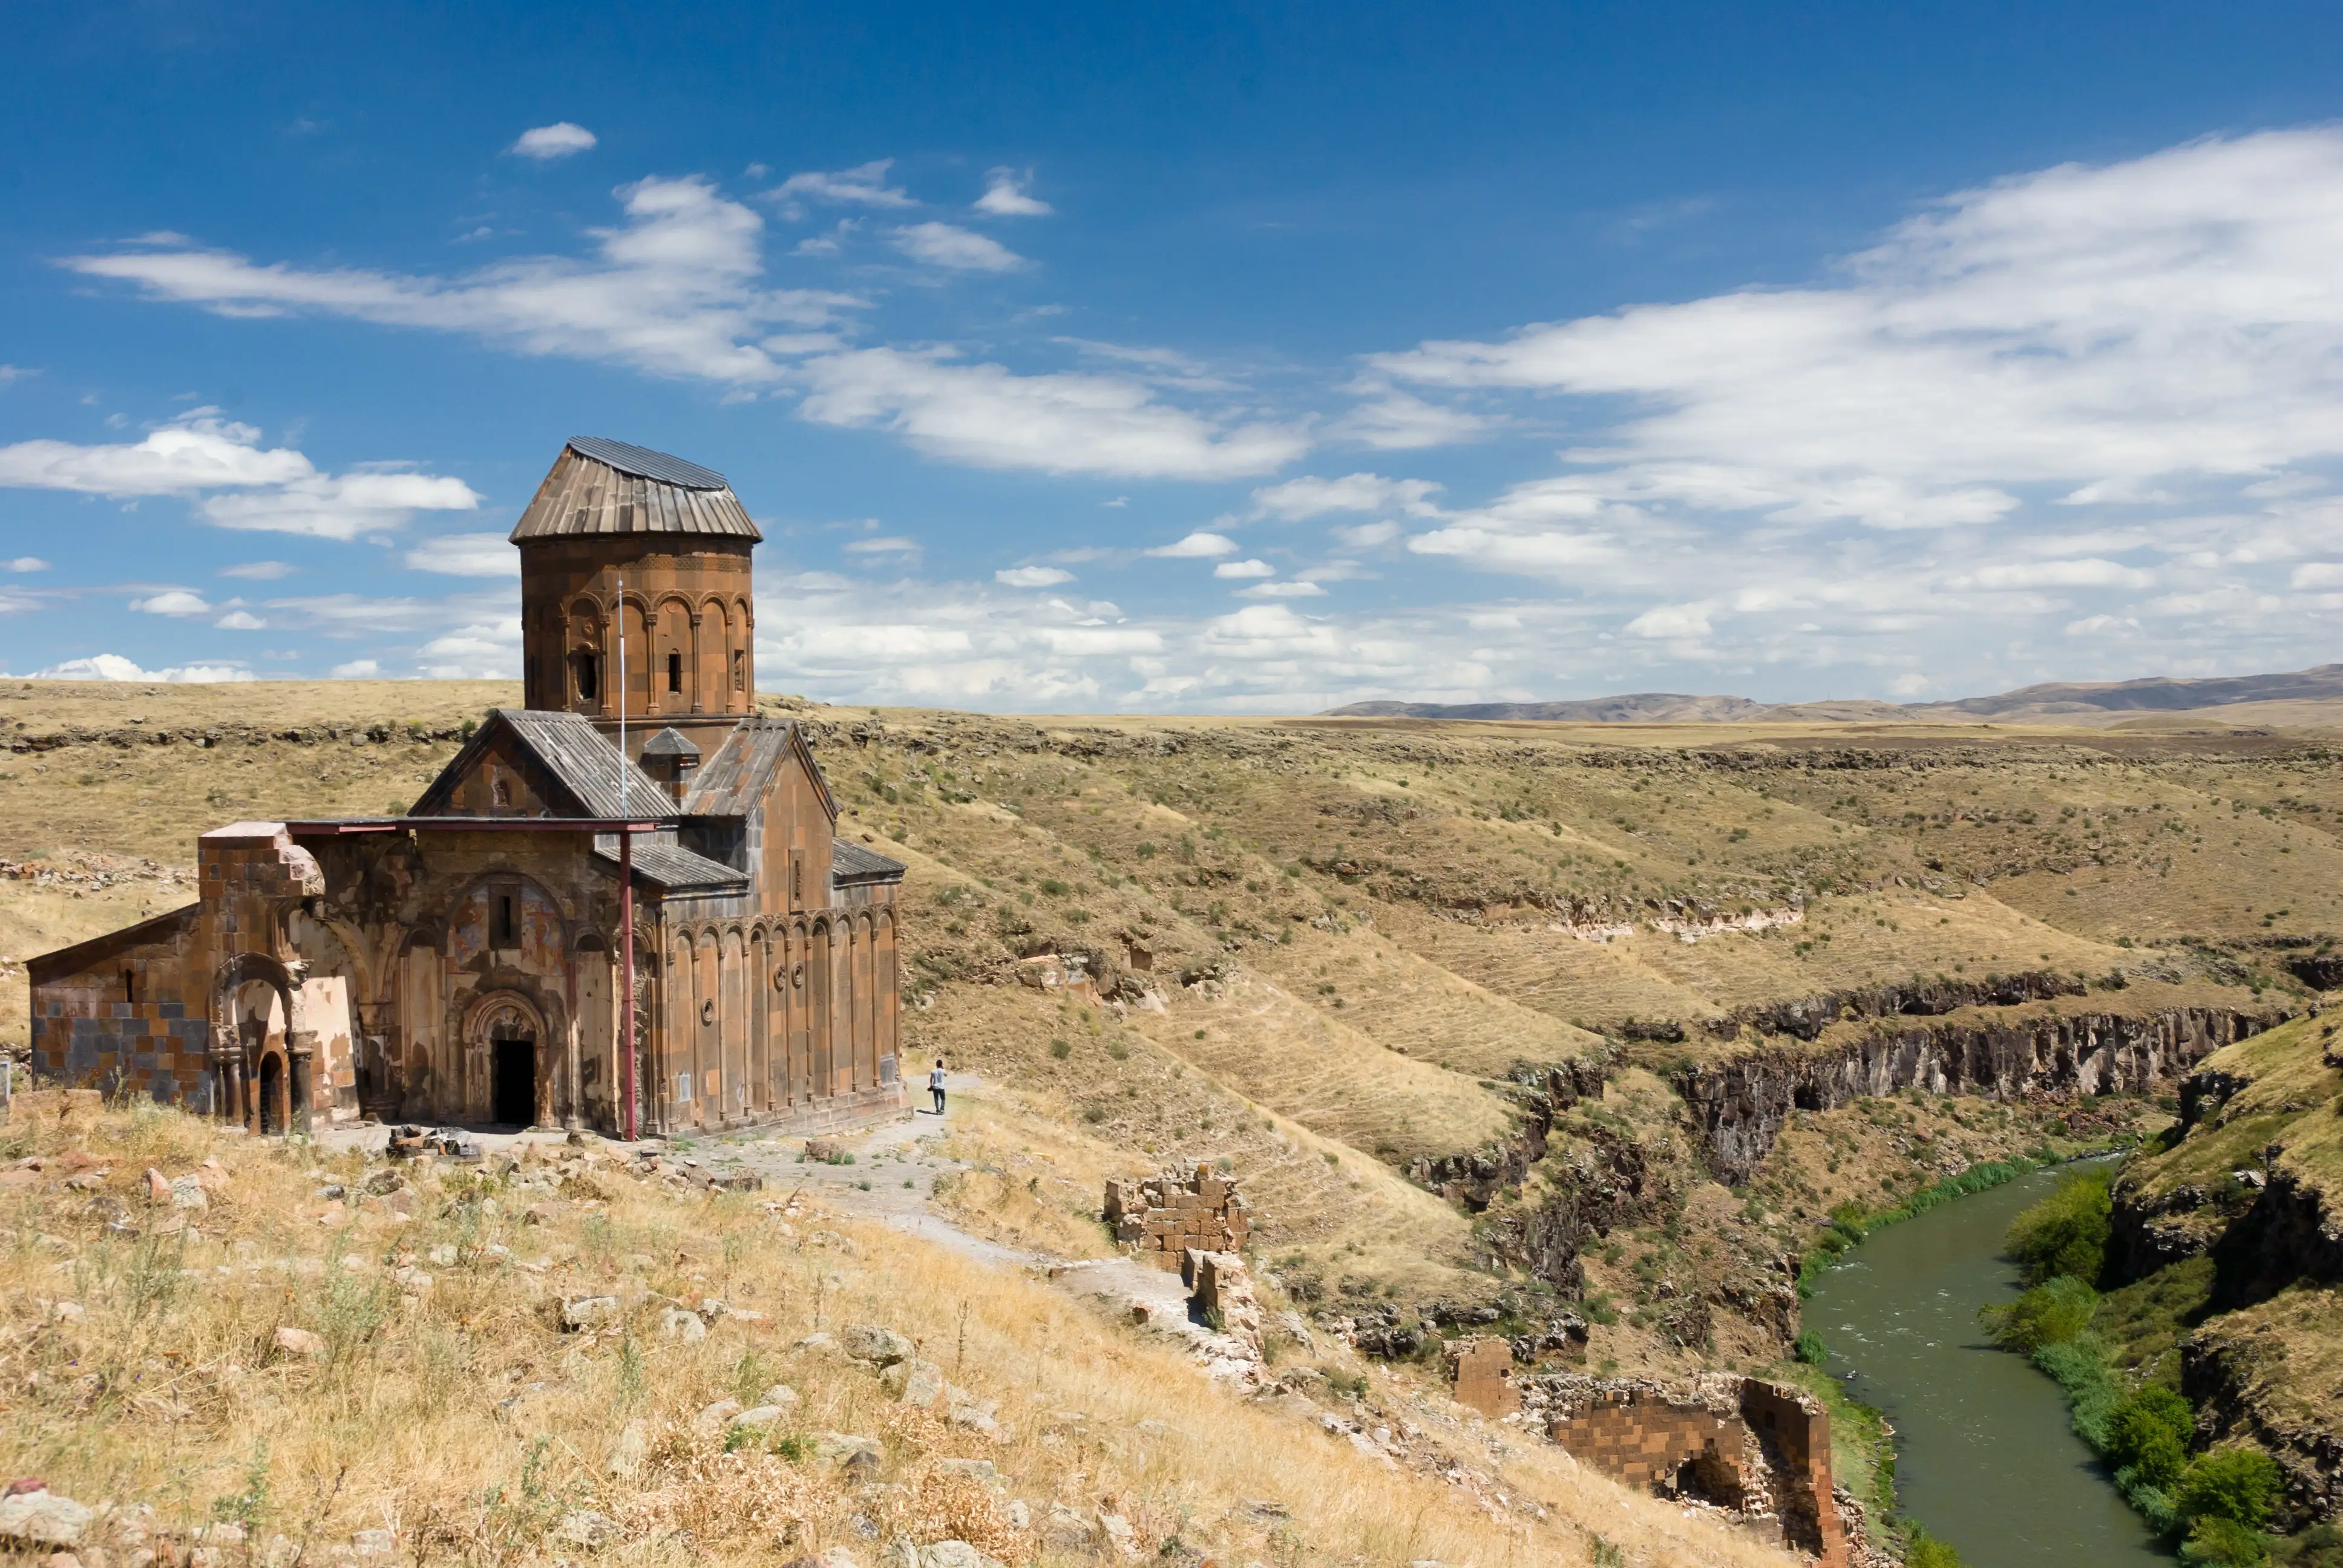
{"x": 851, "y": 863}
{"x": 580, "y": 759}
{"x": 733, "y": 782}
{"x": 675, "y": 869}
{"x": 599, "y": 487}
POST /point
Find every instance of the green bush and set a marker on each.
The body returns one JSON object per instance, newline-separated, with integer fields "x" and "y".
{"x": 2239, "y": 1485}
{"x": 2066, "y": 1234}
{"x": 2148, "y": 1434}
{"x": 1925, "y": 1551}
{"x": 2049, "y": 1314}
{"x": 1810, "y": 1348}
{"x": 2223, "y": 1543}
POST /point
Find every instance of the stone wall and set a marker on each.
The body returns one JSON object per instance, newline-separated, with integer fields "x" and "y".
{"x": 1756, "y": 1448}
{"x": 1166, "y": 1216}
{"x": 1481, "y": 1373}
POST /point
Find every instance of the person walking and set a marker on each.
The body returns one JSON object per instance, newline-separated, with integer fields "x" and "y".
{"x": 936, "y": 1085}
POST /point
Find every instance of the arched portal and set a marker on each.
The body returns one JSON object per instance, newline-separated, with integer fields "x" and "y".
{"x": 506, "y": 1035}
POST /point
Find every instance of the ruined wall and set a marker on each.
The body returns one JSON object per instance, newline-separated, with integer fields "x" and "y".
{"x": 1735, "y": 1442}
{"x": 1166, "y": 1217}
{"x": 1739, "y": 1106}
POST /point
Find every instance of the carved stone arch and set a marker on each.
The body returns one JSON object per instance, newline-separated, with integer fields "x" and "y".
{"x": 513, "y": 1035}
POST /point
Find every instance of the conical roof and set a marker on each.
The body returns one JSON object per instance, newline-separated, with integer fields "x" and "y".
{"x": 599, "y": 486}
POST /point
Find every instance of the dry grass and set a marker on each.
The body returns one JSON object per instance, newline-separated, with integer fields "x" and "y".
{"x": 459, "y": 1416}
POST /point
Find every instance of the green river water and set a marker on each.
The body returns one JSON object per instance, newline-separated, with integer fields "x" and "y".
{"x": 1985, "y": 1456}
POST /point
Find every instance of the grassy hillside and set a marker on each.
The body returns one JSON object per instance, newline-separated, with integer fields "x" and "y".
{"x": 1345, "y": 953}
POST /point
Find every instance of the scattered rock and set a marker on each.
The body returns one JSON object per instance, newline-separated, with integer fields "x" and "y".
{"x": 627, "y": 1454}
{"x": 36, "y": 1516}
{"x": 781, "y": 1395}
{"x": 159, "y": 1186}
{"x": 914, "y": 1382}
{"x": 846, "y": 1449}
{"x": 716, "y": 1417}
{"x": 586, "y": 1529}
{"x": 975, "y": 1469}
{"x": 680, "y": 1323}
{"x": 955, "y": 1554}
{"x": 868, "y": 1343}
{"x": 759, "y": 1417}
{"x": 296, "y": 1341}
{"x": 590, "y": 1312}
{"x": 831, "y": 1557}
{"x": 1065, "y": 1530}
{"x": 374, "y": 1543}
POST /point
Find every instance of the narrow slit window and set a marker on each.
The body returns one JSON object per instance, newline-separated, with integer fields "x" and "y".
{"x": 502, "y": 928}
{"x": 588, "y": 683}
{"x": 739, "y": 668}
{"x": 675, "y": 672}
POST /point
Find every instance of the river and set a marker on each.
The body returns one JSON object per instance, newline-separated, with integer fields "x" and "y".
{"x": 1985, "y": 1456}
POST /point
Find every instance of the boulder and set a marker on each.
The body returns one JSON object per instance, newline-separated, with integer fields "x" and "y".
{"x": 296, "y": 1341}
{"x": 870, "y": 1343}
{"x": 781, "y": 1396}
{"x": 716, "y": 1417}
{"x": 159, "y": 1186}
{"x": 1065, "y": 1530}
{"x": 681, "y": 1323}
{"x": 847, "y": 1451}
{"x": 914, "y": 1382}
{"x": 187, "y": 1192}
{"x": 590, "y": 1312}
{"x": 760, "y": 1416}
{"x": 39, "y": 1517}
{"x": 586, "y": 1529}
{"x": 628, "y": 1453}
{"x": 374, "y": 1543}
{"x": 955, "y": 1554}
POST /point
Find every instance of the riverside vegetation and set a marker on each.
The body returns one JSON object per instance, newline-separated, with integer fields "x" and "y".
{"x": 1505, "y": 1025}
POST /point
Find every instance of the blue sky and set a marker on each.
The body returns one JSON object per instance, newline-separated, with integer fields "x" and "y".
{"x": 1092, "y": 357}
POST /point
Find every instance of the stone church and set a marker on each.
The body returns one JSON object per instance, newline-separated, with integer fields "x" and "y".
{"x": 461, "y": 964}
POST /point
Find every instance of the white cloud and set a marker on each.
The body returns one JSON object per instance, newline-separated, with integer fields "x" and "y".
{"x": 985, "y": 416}
{"x": 678, "y": 290}
{"x": 259, "y": 571}
{"x": 113, "y": 666}
{"x": 236, "y": 482}
{"x": 240, "y": 620}
{"x": 1007, "y": 195}
{"x": 1032, "y": 577}
{"x": 2317, "y": 575}
{"x": 12, "y": 373}
{"x": 675, "y": 291}
{"x": 1244, "y": 569}
{"x": 467, "y": 556}
{"x": 25, "y": 564}
{"x": 1309, "y": 496}
{"x": 1366, "y": 535}
{"x": 1395, "y": 421}
{"x": 557, "y": 140}
{"x": 943, "y": 244}
{"x": 172, "y": 601}
{"x": 891, "y": 544}
{"x": 863, "y": 185}
{"x": 2082, "y": 326}
{"x": 1198, "y": 546}
{"x": 357, "y": 670}
{"x": 1300, "y": 587}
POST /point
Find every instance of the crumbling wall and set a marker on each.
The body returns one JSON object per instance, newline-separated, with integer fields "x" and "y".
{"x": 1743, "y": 1444}
{"x": 1165, "y": 1216}
{"x": 1480, "y": 1374}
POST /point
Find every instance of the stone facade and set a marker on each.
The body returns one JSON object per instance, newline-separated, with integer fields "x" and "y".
{"x": 1754, "y": 1447}
{"x": 1165, "y": 1216}
{"x": 462, "y": 962}
{"x": 1481, "y": 1374}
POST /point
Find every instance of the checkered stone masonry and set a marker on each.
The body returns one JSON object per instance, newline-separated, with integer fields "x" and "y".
{"x": 154, "y": 1047}
{"x": 1164, "y": 1215}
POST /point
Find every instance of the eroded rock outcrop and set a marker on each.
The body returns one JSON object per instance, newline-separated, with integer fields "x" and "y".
{"x": 1739, "y": 1107}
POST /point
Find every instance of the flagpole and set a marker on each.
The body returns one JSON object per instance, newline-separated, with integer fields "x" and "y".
{"x": 626, "y": 887}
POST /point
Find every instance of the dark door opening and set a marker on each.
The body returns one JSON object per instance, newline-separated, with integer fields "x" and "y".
{"x": 512, "y": 1091}
{"x": 272, "y": 1094}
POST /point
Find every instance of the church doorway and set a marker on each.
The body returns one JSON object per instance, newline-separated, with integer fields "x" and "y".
{"x": 512, "y": 1090}
{"x": 272, "y": 1094}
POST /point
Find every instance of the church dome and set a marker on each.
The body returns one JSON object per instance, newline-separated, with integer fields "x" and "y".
{"x": 600, "y": 489}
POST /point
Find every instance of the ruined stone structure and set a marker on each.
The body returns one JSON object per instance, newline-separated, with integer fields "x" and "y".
{"x": 1481, "y": 1374}
{"x": 1167, "y": 1216}
{"x": 1735, "y": 1442}
{"x": 459, "y": 963}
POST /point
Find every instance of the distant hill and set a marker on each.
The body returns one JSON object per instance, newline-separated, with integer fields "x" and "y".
{"x": 2053, "y": 700}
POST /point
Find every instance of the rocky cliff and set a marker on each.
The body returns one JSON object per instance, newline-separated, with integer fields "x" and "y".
{"x": 1738, "y": 1106}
